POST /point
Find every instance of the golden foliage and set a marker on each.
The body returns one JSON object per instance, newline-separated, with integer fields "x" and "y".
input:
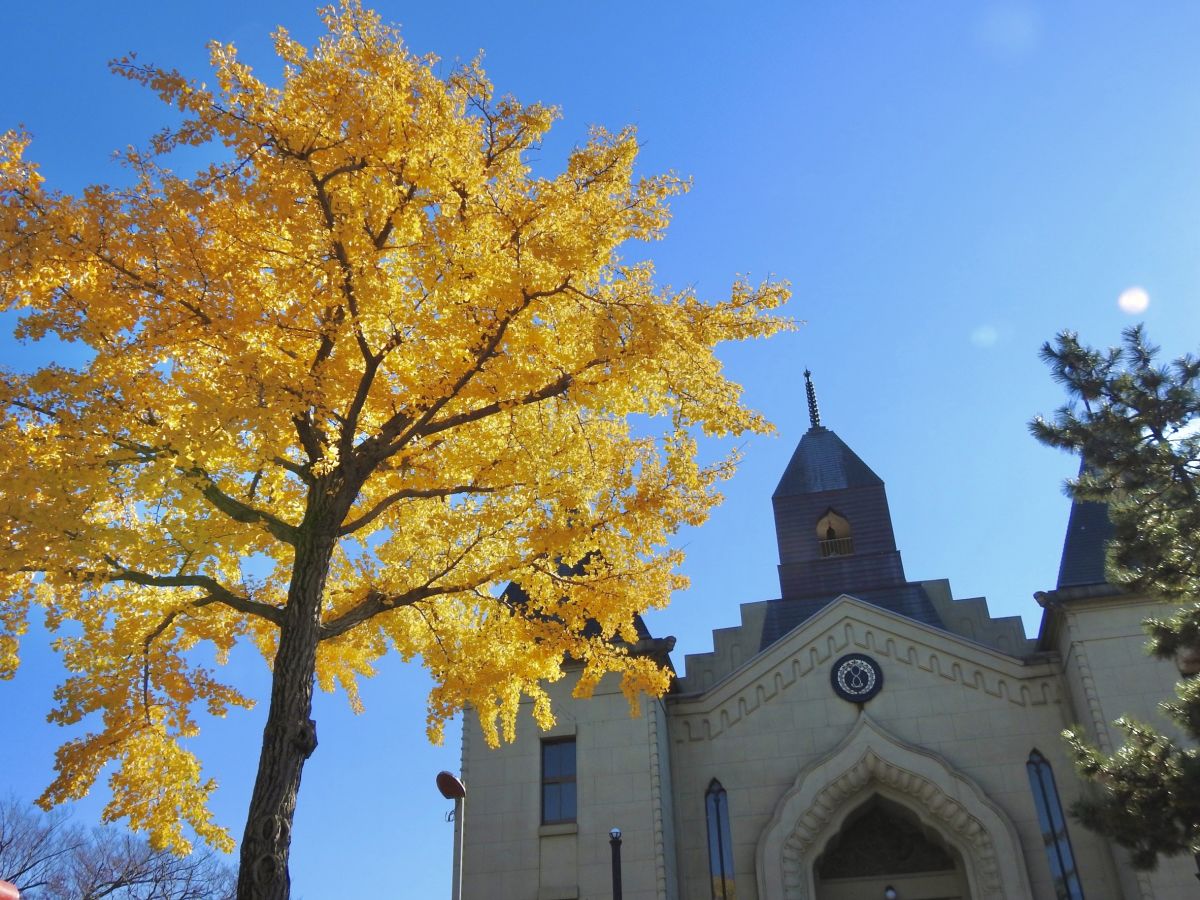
{"x": 370, "y": 327}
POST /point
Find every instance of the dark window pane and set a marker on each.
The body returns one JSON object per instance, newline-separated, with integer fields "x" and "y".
{"x": 720, "y": 844}
{"x": 726, "y": 842}
{"x": 551, "y": 802}
{"x": 558, "y": 781}
{"x": 567, "y": 810}
{"x": 550, "y": 760}
{"x": 566, "y": 760}
{"x": 714, "y": 857}
{"x": 1059, "y": 854}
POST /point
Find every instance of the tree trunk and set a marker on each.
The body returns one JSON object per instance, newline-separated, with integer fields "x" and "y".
{"x": 290, "y": 735}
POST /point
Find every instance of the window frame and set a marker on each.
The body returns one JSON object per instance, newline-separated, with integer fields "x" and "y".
{"x": 1060, "y": 855}
{"x": 555, "y": 780}
{"x": 721, "y": 878}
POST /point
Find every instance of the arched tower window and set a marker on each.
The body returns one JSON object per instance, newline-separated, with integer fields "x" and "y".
{"x": 720, "y": 846}
{"x": 1054, "y": 828}
{"x": 833, "y": 534}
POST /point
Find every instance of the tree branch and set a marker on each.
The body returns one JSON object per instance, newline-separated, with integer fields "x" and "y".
{"x": 407, "y": 494}
{"x": 295, "y": 468}
{"x": 239, "y": 511}
{"x": 309, "y": 436}
{"x": 393, "y": 442}
{"x": 553, "y": 389}
{"x": 217, "y": 592}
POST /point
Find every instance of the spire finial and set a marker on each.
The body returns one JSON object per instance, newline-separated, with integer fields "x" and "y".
{"x": 814, "y": 414}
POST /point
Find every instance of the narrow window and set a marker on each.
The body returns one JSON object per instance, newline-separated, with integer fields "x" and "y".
{"x": 558, "y": 781}
{"x": 720, "y": 847}
{"x": 1054, "y": 828}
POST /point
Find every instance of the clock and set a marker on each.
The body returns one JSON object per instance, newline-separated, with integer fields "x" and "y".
{"x": 856, "y": 677}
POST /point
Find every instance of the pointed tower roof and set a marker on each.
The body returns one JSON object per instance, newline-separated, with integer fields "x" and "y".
{"x": 822, "y": 461}
{"x": 1088, "y": 533}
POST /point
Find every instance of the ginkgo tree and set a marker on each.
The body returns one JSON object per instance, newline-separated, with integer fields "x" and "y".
{"x": 341, "y": 385}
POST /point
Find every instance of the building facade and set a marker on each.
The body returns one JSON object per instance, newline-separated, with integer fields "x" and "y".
{"x": 860, "y": 734}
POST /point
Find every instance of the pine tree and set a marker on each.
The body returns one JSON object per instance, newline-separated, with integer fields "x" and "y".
{"x": 1135, "y": 424}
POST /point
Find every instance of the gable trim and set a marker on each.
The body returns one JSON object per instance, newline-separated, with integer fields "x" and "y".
{"x": 850, "y": 627}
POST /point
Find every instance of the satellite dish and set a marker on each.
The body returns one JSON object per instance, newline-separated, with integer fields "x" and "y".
{"x": 451, "y": 787}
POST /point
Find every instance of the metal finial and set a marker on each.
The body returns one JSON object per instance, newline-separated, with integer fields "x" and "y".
{"x": 814, "y": 414}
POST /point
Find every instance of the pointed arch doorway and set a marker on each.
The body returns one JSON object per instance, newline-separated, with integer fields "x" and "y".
{"x": 883, "y": 845}
{"x": 869, "y": 762}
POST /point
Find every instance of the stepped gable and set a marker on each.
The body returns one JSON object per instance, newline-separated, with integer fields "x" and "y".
{"x": 909, "y": 600}
{"x": 835, "y": 536}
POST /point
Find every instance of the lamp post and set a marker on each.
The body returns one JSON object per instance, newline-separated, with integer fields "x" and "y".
{"x": 614, "y": 841}
{"x": 453, "y": 789}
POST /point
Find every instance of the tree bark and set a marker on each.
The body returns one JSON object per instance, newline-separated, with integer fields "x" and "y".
{"x": 290, "y": 735}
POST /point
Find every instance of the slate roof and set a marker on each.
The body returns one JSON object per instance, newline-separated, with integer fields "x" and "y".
{"x": 909, "y": 600}
{"x": 1088, "y": 532}
{"x": 823, "y": 462}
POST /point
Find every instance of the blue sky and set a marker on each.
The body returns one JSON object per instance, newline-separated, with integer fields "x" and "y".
{"x": 946, "y": 185}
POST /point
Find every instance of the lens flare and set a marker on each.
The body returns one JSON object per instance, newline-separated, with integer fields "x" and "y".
{"x": 1133, "y": 300}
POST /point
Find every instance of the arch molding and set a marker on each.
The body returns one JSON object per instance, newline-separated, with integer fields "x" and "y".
{"x": 869, "y": 761}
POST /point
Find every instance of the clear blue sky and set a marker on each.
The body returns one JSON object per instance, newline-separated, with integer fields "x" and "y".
{"x": 945, "y": 184}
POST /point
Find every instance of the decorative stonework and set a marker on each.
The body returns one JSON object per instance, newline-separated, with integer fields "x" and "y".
{"x": 464, "y": 755}
{"x": 1021, "y": 688}
{"x": 653, "y": 713}
{"x": 1099, "y": 721}
{"x": 856, "y": 678}
{"x": 1078, "y": 649}
{"x": 870, "y": 761}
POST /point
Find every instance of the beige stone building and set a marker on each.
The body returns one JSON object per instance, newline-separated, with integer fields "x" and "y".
{"x": 858, "y": 735}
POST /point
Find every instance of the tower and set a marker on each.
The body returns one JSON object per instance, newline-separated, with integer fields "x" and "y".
{"x": 835, "y": 535}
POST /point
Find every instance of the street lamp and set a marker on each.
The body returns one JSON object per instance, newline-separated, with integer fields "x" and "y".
{"x": 453, "y": 789}
{"x": 614, "y": 840}
{"x": 889, "y": 893}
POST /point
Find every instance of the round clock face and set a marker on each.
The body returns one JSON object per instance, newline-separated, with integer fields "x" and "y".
{"x": 856, "y": 678}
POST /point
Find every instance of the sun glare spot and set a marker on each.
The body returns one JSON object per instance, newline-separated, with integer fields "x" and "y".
{"x": 1133, "y": 300}
{"x": 985, "y": 336}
